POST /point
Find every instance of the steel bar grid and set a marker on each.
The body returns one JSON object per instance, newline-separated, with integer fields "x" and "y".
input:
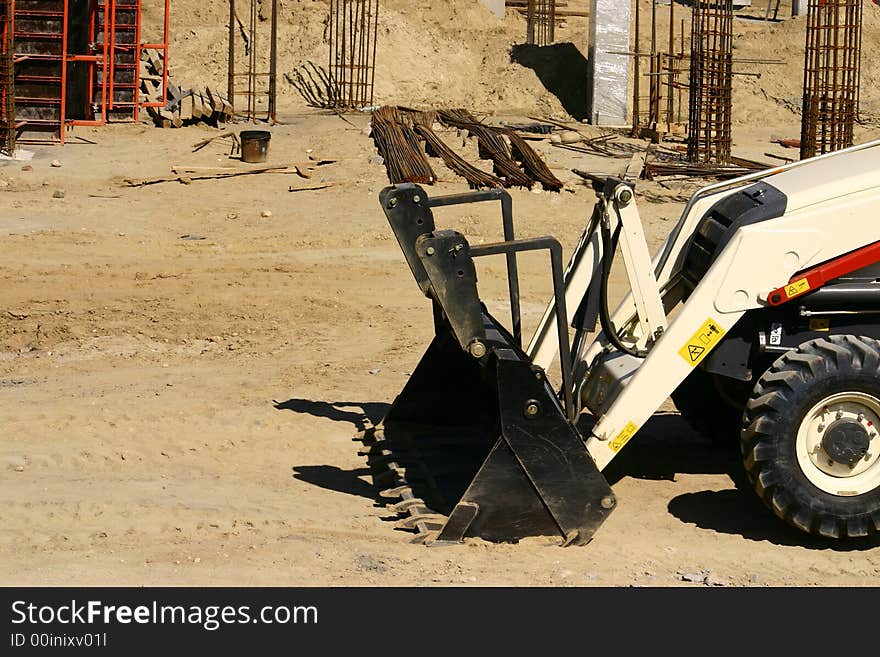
{"x": 709, "y": 116}
{"x": 254, "y": 60}
{"x": 352, "y": 33}
{"x": 832, "y": 68}
{"x": 540, "y": 22}
{"x": 666, "y": 72}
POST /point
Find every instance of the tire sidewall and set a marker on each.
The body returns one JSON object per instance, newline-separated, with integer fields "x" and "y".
{"x": 784, "y": 441}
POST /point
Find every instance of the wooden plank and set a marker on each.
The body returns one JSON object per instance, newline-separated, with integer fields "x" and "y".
{"x": 635, "y": 167}
{"x": 185, "y": 107}
{"x": 132, "y": 182}
{"x": 195, "y": 103}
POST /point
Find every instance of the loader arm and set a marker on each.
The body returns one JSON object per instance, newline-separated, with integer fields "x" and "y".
{"x": 759, "y": 253}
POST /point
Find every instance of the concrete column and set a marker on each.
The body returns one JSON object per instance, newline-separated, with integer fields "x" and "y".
{"x": 609, "y": 70}
{"x": 497, "y": 7}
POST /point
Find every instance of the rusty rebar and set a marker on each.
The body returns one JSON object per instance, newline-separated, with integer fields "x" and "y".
{"x": 540, "y": 22}
{"x": 352, "y": 30}
{"x": 665, "y": 73}
{"x": 711, "y": 75}
{"x": 405, "y": 160}
{"x": 257, "y": 58}
{"x": 832, "y": 71}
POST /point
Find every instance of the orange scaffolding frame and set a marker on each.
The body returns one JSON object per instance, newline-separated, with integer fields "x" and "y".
{"x": 41, "y": 69}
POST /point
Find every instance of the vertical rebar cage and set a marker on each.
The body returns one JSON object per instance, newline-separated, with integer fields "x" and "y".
{"x": 7, "y": 79}
{"x": 709, "y": 117}
{"x": 540, "y": 22}
{"x": 352, "y": 34}
{"x": 259, "y": 63}
{"x": 832, "y": 68}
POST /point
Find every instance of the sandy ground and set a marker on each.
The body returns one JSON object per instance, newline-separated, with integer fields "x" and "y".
{"x": 180, "y": 411}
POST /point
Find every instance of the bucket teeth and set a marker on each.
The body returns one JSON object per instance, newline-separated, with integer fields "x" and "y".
{"x": 405, "y": 505}
{"x": 414, "y": 505}
{"x": 431, "y": 522}
{"x": 384, "y": 458}
{"x": 395, "y": 492}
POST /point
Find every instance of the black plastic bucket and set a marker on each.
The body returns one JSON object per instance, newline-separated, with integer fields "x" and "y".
{"x": 254, "y": 145}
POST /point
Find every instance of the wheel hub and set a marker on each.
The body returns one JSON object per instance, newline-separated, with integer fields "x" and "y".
{"x": 838, "y": 446}
{"x": 846, "y": 441}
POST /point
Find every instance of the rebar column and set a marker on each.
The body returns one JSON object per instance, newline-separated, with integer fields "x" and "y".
{"x": 540, "y": 22}
{"x": 260, "y": 53}
{"x": 832, "y": 68}
{"x": 709, "y": 115}
{"x": 352, "y": 35}
{"x": 230, "y": 62}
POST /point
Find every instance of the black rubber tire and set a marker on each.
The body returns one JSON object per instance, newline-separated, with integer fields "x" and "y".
{"x": 796, "y": 382}
{"x": 712, "y": 407}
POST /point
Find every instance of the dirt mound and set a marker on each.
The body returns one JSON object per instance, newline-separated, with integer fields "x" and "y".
{"x": 456, "y": 53}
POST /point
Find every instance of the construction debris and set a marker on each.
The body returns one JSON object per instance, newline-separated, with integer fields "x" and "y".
{"x": 311, "y": 188}
{"x": 680, "y": 167}
{"x": 181, "y": 106}
{"x": 205, "y": 173}
{"x": 607, "y": 145}
{"x": 236, "y": 144}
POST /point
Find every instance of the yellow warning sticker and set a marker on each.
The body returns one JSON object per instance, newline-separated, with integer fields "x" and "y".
{"x": 701, "y": 343}
{"x": 820, "y": 324}
{"x": 797, "y": 287}
{"x": 623, "y": 437}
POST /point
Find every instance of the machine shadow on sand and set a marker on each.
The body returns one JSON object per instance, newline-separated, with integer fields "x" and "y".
{"x": 362, "y": 416}
{"x": 666, "y": 447}
{"x": 736, "y": 511}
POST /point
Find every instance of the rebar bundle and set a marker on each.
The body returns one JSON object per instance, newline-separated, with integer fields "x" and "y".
{"x": 491, "y": 144}
{"x": 399, "y": 131}
{"x": 7, "y": 88}
{"x": 352, "y": 34}
{"x": 476, "y": 178}
{"x": 531, "y": 167}
{"x": 711, "y": 75}
{"x": 832, "y": 69}
{"x": 405, "y": 161}
{"x": 532, "y": 163}
{"x": 540, "y": 22}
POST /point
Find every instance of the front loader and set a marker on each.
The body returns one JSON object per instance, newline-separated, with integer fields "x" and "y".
{"x": 759, "y": 316}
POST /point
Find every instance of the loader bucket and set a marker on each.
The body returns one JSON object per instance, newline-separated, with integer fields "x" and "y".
{"x": 477, "y": 444}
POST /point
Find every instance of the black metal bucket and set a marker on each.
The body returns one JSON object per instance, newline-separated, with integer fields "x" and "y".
{"x": 477, "y": 443}
{"x": 254, "y": 145}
